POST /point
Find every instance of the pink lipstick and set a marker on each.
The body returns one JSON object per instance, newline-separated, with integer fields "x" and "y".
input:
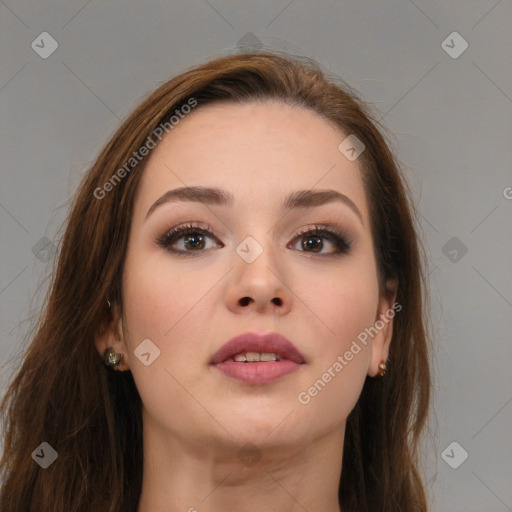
{"x": 258, "y": 358}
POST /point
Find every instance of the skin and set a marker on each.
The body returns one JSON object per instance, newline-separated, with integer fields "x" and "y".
{"x": 196, "y": 419}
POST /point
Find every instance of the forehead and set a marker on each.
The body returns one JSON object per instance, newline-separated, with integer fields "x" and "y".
{"x": 258, "y": 151}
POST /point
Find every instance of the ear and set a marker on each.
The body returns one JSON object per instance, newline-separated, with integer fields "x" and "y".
{"x": 110, "y": 334}
{"x": 386, "y": 310}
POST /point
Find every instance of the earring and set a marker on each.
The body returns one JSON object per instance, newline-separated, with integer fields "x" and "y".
{"x": 382, "y": 369}
{"x": 111, "y": 357}
{"x": 108, "y": 302}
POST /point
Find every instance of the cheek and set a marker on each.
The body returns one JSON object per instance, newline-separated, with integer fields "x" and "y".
{"x": 166, "y": 306}
{"x": 158, "y": 305}
{"x": 346, "y": 307}
{"x": 345, "y": 355}
{"x": 159, "y": 301}
{"x": 344, "y": 304}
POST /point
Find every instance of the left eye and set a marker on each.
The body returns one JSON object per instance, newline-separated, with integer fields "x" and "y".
{"x": 194, "y": 240}
{"x": 311, "y": 238}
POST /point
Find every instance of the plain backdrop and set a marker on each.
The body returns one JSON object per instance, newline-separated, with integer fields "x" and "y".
{"x": 437, "y": 73}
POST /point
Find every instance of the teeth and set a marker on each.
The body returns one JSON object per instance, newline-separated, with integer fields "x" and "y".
{"x": 256, "y": 356}
{"x": 252, "y": 356}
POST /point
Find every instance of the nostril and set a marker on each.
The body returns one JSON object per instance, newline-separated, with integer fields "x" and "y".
{"x": 244, "y": 301}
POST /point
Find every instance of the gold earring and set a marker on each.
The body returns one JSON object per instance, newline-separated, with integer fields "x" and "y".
{"x": 382, "y": 369}
{"x": 111, "y": 357}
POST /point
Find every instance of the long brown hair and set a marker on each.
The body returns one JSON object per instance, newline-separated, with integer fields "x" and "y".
{"x": 64, "y": 395}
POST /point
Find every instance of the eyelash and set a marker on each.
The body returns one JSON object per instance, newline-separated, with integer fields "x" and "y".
{"x": 339, "y": 239}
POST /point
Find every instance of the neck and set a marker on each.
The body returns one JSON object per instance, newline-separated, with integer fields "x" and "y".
{"x": 194, "y": 476}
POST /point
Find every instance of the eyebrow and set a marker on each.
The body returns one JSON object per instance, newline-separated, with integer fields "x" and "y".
{"x": 219, "y": 197}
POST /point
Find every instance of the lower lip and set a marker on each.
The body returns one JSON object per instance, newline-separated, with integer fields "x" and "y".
{"x": 258, "y": 373}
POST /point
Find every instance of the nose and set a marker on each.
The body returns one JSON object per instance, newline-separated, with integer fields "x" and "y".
{"x": 260, "y": 286}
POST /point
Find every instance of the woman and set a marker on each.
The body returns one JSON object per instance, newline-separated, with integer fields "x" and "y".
{"x": 237, "y": 319}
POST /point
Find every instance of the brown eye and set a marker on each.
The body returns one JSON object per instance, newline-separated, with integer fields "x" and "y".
{"x": 312, "y": 240}
{"x": 194, "y": 239}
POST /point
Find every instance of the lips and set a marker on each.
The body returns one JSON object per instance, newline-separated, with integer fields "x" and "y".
{"x": 273, "y": 343}
{"x": 281, "y": 358}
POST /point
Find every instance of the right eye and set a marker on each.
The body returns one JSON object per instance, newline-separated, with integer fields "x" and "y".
{"x": 194, "y": 239}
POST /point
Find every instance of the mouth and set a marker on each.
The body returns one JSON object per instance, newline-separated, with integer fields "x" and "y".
{"x": 257, "y": 359}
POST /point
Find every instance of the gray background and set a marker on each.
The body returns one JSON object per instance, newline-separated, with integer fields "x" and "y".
{"x": 451, "y": 125}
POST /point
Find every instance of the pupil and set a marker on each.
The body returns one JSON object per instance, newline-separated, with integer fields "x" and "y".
{"x": 191, "y": 237}
{"x": 313, "y": 246}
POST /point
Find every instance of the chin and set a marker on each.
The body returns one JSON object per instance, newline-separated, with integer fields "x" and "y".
{"x": 269, "y": 429}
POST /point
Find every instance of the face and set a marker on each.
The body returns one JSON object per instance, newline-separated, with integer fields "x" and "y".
{"x": 250, "y": 266}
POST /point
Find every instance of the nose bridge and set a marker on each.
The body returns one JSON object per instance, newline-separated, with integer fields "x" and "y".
{"x": 256, "y": 257}
{"x": 259, "y": 274}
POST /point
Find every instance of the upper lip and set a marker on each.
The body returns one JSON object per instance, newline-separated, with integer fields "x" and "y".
{"x": 251, "y": 342}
